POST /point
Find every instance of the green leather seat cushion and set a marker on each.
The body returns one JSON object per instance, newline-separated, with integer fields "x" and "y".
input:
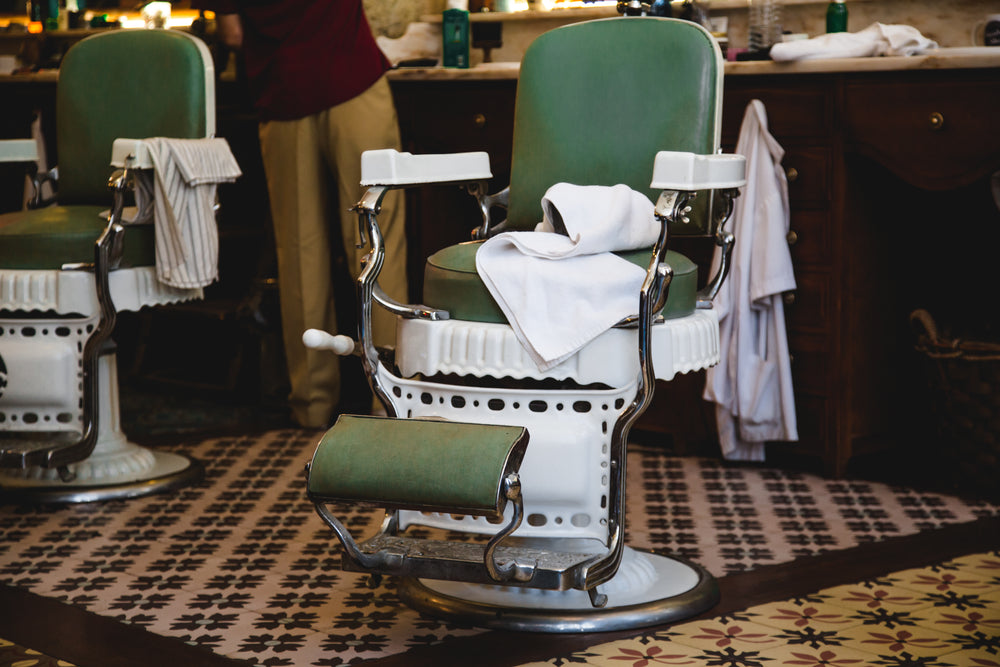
{"x": 451, "y": 283}
{"x": 47, "y": 238}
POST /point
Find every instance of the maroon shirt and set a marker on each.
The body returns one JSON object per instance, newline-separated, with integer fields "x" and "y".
{"x": 304, "y": 56}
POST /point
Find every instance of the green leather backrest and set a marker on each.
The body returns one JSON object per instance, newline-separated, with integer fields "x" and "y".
{"x": 596, "y": 101}
{"x": 125, "y": 83}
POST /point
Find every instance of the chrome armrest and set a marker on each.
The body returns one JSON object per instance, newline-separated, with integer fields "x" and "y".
{"x": 486, "y": 202}
{"x": 725, "y": 240}
{"x": 132, "y": 153}
{"x": 682, "y": 174}
{"x": 26, "y": 151}
{"x": 677, "y": 170}
{"x": 394, "y": 169}
{"x": 382, "y": 170}
{"x": 38, "y": 180}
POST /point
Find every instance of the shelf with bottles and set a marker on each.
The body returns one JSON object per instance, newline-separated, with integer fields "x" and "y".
{"x": 577, "y": 10}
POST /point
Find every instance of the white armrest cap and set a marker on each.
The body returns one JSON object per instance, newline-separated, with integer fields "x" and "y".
{"x": 390, "y": 167}
{"x": 18, "y": 150}
{"x": 675, "y": 170}
{"x": 123, "y": 149}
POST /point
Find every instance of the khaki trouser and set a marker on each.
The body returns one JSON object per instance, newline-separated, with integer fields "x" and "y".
{"x": 302, "y": 159}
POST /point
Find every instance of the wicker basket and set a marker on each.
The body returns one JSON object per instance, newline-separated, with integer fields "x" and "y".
{"x": 965, "y": 393}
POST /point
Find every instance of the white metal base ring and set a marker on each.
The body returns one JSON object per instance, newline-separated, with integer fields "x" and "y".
{"x": 649, "y": 589}
{"x": 136, "y": 472}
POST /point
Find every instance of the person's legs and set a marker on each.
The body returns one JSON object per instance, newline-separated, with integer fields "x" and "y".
{"x": 368, "y": 122}
{"x": 297, "y": 182}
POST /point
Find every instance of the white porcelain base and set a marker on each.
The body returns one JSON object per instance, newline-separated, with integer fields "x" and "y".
{"x": 116, "y": 468}
{"x": 649, "y": 589}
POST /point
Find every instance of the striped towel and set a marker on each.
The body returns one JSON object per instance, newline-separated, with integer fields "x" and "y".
{"x": 187, "y": 172}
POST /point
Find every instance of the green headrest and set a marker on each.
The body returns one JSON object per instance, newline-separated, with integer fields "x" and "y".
{"x": 602, "y": 121}
{"x": 123, "y": 83}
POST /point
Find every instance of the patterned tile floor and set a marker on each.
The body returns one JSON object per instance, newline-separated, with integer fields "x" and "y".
{"x": 241, "y": 565}
{"x": 947, "y": 615}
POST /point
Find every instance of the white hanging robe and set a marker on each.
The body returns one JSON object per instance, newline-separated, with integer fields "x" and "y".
{"x": 752, "y": 384}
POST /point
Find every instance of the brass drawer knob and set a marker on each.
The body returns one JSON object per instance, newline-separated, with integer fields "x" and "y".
{"x": 792, "y": 237}
{"x": 792, "y": 174}
{"x": 479, "y": 120}
{"x": 936, "y": 120}
{"x": 788, "y": 298}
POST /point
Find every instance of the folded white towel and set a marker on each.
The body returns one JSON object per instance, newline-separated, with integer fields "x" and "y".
{"x": 560, "y": 286}
{"x": 186, "y": 174}
{"x": 878, "y": 39}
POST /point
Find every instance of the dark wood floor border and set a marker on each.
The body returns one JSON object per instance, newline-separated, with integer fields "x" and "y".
{"x": 87, "y": 639}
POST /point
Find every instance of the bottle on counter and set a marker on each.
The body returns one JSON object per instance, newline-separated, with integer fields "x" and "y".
{"x": 765, "y": 26}
{"x": 455, "y": 34}
{"x": 836, "y": 16}
{"x": 49, "y": 13}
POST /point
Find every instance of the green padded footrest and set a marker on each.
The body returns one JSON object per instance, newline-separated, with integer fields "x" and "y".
{"x": 418, "y": 464}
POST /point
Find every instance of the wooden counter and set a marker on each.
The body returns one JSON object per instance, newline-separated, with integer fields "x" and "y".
{"x": 973, "y": 57}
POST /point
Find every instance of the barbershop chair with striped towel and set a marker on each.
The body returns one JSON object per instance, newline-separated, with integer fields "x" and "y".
{"x": 67, "y": 268}
{"x": 479, "y": 435}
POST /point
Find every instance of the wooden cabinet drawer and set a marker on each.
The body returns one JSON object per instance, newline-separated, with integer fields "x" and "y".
{"x": 808, "y": 173}
{"x": 809, "y": 307}
{"x": 936, "y": 134}
{"x": 796, "y": 108}
{"x": 810, "y": 239}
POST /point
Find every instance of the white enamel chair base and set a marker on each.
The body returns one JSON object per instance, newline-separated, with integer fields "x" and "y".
{"x": 115, "y": 469}
{"x": 648, "y": 589}
{"x": 565, "y": 474}
{"x": 43, "y": 391}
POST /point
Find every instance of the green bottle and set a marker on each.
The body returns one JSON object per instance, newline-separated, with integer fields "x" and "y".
{"x": 455, "y": 33}
{"x": 836, "y": 16}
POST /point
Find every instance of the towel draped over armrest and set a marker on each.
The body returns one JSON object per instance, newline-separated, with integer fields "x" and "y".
{"x": 560, "y": 286}
{"x": 186, "y": 173}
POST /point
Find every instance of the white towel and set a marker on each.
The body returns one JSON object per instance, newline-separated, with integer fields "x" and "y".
{"x": 560, "y": 286}
{"x": 877, "y": 39}
{"x": 187, "y": 239}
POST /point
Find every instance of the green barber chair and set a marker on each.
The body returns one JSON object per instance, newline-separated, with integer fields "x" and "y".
{"x": 67, "y": 268}
{"x": 518, "y": 473}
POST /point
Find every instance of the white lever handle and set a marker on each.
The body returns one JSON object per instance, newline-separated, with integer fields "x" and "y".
{"x": 321, "y": 340}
